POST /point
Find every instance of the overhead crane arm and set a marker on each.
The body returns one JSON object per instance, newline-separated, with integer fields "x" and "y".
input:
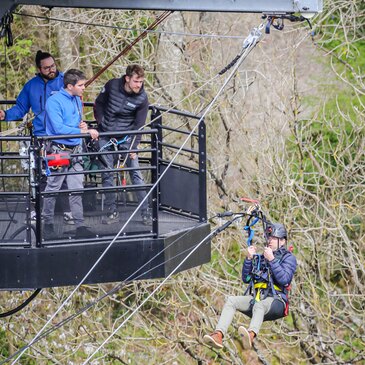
{"x": 239, "y": 6}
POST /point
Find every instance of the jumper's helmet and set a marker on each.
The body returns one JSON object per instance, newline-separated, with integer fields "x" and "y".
{"x": 276, "y": 230}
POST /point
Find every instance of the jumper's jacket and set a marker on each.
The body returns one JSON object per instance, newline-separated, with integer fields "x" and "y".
{"x": 117, "y": 110}
{"x": 281, "y": 268}
{"x": 34, "y": 95}
{"x": 63, "y": 116}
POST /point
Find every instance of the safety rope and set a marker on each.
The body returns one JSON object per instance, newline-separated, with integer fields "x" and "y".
{"x": 158, "y": 20}
{"x": 179, "y": 34}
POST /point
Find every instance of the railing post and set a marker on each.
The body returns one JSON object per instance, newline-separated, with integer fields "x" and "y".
{"x": 35, "y": 171}
{"x": 156, "y": 191}
{"x": 202, "y": 173}
{"x": 157, "y": 124}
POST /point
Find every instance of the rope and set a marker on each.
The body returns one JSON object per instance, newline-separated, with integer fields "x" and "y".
{"x": 197, "y": 35}
{"x": 149, "y": 296}
{"x": 238, "y": 63}
{"x": 158, "y": 20}
{"x": 249, "y": 43}
{"x": 110, "y": 292}
{"x": 21, "y": 306}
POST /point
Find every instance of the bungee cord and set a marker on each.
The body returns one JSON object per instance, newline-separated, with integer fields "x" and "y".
{"x": 246, "y": 48}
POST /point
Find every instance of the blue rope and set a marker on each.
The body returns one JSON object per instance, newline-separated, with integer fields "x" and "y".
{"x": 114, "y": 142}
{"x": 251, "y": 232}
{"x": 47, "y": 170}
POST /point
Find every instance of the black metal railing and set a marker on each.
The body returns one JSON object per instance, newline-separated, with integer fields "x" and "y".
{"x": 180, "y": 193}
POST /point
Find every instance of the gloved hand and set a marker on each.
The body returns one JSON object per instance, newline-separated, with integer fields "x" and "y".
{"x": 253, "y": 209}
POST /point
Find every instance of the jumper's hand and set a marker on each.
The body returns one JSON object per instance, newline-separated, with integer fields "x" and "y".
{"x": 2, "y": 115}
{"x": 268, "y": 254}
{"x": 133, "y": 155}
{"x": 251, "y": 251}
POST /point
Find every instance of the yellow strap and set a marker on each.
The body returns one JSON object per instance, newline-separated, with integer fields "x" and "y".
{"x": 263, "y": 286}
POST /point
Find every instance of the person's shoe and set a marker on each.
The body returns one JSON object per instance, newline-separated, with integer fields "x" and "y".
{"x": 33, "y": 217}
{"x": 68, "y": 218}
{"x": 246, "y": 337}
{"x": 84, "y": 232}
{"x": 146, "y": 218}
{"x": 111, "y": 218}
{"x": 215, "y": 339}
{"x": 49, "y": 232}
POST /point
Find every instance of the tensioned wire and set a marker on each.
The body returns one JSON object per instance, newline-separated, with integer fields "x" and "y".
{"x": 149, "y": 296}
{"x": 255, "y": 40}
{"x": 251, "y": 43}
{"x": 110, "y": 292}
{"x": 197, "y": 35}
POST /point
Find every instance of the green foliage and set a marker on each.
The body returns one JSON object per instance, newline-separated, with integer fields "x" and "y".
{"x": 22, "y": 48}
{"x": 4, "y": 351}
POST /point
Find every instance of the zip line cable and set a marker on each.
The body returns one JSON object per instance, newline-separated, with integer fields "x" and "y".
{"x": 217, "y": 230}
{"x": 196, "y": 35}
{"x": 255, "y": 39}
{"x": 238, "y": 63}
{"x": 110, "y": 292}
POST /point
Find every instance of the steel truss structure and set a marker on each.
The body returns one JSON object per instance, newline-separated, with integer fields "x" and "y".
{"x": 240, "y": 6}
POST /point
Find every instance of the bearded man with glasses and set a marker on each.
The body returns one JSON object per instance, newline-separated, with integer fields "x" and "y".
{"x": 35, "y": 93}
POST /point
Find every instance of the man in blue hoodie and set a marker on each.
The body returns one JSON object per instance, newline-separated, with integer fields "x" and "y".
{"x": 64, "y": 116}
{"x": 36, "y": 92}
{"x": 268, "y": 276}
{"x": 33, "y": 96}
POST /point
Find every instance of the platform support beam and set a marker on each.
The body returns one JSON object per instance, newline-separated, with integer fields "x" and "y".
{"x": 239, "y": 6}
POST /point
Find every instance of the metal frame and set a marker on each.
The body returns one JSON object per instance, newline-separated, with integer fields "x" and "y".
{"x": 65, "y": 261}
{"x": 239, "y": 6}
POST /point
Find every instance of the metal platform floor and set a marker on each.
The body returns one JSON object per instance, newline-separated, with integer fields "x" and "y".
{"x": 13, "y": 225}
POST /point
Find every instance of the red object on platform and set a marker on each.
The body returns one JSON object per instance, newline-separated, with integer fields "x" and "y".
{"x": 58, "y": 159}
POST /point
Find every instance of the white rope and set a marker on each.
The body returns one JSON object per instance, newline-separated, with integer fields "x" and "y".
{"x": 148, "y": 297}
{"x": 247, "y": 48}
{"x": 255, "y": 39}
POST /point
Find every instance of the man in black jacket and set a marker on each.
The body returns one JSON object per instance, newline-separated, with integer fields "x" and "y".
{"x": 122, "y": 106}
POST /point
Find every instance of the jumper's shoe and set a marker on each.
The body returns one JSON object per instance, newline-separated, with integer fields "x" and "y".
{"x": 49, "y": 232}
{"x": 111, "y": 218}
{"x": 68, "y": 218}
{"x": 84, "y": 232}
{"x": 215, "y": 339}
{"x": 246, "y": 337}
